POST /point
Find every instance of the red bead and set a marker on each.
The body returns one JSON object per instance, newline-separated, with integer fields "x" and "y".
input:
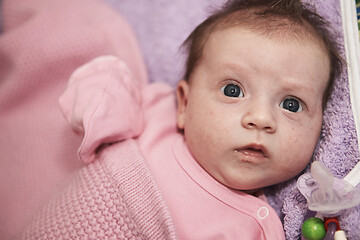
{"x": 329, "y": 220}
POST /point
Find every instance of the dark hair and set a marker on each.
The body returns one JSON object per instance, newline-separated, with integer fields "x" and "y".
{"x": 271, "y": 18}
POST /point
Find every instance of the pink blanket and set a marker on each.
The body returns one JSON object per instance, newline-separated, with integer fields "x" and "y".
{"x": 112, "y": 198}
{"x": 42, "y": 43}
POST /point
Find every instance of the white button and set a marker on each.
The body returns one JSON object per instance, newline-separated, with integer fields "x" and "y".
{"x": 263, "y": 212}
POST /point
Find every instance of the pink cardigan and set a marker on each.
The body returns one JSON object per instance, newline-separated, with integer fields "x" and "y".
{"x": 101, "y": 202}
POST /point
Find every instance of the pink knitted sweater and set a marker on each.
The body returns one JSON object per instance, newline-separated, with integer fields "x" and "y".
{"x": 103, "y": 203}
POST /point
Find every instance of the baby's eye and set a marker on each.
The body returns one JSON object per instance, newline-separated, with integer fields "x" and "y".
{"x": 232, "y": 90}
{"x": 292, "y": 105}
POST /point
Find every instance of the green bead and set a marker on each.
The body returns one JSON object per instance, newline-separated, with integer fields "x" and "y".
{"x": 313, "y": 229}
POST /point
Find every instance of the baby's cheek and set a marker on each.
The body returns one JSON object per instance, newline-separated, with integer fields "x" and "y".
{"x": 198, "y": 134}
{"x": 299, "y": 142}
{"x": 293, "y": 137}
{"x": 295, "y": 154}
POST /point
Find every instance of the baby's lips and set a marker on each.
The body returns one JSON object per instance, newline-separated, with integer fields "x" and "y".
{"x": 254, "y": 149}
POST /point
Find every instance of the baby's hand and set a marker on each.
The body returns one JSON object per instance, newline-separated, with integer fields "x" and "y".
{"x": 103, "y": 103}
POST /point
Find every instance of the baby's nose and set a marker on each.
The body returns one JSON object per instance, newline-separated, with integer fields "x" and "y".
{"x": 261, "y": 117}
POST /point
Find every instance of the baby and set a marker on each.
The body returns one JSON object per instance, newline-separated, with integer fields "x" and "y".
{"x": 247, "y": 115}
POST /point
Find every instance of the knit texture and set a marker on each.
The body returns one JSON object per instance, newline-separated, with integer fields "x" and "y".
{"x": 113, "y": 198}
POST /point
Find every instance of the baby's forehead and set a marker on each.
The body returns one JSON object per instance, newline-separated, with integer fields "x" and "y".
{"x": 284, "y": 33}
{"x": 299, "y": 35}
{"x": 277, "y": 27}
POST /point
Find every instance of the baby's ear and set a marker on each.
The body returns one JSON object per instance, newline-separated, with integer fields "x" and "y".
{"x": 182, "y": 93}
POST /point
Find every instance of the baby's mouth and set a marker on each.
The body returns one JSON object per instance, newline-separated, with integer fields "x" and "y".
{"x": 254, "y": 150}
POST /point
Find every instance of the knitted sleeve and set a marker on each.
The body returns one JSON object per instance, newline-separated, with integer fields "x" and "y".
{"x": 112, "y": 198}
{"x": 103, "y": 103}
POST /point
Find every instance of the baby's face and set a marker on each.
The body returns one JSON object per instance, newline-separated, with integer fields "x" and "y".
{"x": 252, "y": 111}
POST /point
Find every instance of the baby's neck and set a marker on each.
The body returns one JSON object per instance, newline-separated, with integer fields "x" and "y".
{"x": 256, "y": 193}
